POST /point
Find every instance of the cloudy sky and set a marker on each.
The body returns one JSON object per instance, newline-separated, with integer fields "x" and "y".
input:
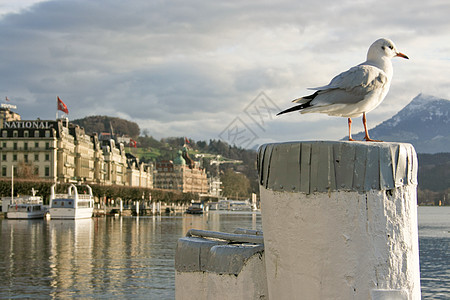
{"x": 213, "y": 69}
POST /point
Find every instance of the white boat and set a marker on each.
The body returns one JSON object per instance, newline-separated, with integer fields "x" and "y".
{"x": 71, "y": 205}
{"x": 234, "y": 205}
{"x": 24, "y": 207}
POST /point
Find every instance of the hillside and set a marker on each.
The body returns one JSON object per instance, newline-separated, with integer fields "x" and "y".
{"x": 434, "y": 171}
{"x": 424, "y": 122}
{"x": 98, "y": 124}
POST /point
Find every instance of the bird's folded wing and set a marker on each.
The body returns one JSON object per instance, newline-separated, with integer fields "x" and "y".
{"x": 353, "y": 85}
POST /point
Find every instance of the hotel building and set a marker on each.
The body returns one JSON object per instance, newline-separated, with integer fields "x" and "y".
{"x": 60, "y": 151}
{"x": 177, "y": 175}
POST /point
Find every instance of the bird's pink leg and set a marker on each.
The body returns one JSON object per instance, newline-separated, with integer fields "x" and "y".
{"x": 350, "y": 130}
{"x": 366, "y": 137}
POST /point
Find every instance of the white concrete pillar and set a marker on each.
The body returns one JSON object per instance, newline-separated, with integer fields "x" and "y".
{"x": 121, "y": 206}
{"x": 340, "y": 220}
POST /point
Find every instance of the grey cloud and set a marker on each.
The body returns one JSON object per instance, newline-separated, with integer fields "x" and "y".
{"x": 175, "y": 64}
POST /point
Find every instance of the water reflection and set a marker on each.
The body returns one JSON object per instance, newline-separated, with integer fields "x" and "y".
{"x": 101, "y": 257}
{"x": 71, "y": 244}
{"x": 124, "y": 257}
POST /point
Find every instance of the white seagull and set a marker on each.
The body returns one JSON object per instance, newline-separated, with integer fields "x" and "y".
{"x": 355, "y": 91}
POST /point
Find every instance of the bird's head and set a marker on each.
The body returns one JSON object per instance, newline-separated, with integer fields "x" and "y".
{"x": 383, "y": 48}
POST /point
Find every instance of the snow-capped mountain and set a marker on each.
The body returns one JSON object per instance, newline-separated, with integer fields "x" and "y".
{"x": 424, "y": 122}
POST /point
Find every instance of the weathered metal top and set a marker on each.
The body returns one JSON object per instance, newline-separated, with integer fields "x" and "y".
{"x": 311, "y": 167}
{"x": 218, "y": 252}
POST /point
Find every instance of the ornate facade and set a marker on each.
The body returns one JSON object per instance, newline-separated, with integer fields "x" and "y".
{"x": 176, "y": 175}
{"x": 59, "y": 151}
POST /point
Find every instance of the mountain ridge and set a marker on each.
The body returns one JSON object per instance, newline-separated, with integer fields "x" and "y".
{"x": 424, "y": 123}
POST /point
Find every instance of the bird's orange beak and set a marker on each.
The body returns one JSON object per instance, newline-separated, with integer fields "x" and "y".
{"x": 399, "y": 54}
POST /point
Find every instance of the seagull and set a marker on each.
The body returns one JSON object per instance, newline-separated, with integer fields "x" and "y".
{"x": 356, "y": 91}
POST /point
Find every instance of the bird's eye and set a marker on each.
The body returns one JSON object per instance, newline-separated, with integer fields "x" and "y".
{"x": 391, "y": 47}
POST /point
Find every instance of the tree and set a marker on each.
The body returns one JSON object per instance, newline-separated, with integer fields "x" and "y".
{"x": 25, "y": 170}
{"x": 235, "y": 185}
{"x": 100, "y": 124}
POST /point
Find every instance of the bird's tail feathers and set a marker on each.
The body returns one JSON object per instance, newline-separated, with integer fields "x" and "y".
{"x": 306, "y": 99}
{"x": 294, "y": 108}
{"x": 304, "y": 103}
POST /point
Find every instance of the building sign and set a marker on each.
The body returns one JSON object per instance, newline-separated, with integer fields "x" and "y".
{"x": 29, "y": 124}
{"x": 10, "y": 106}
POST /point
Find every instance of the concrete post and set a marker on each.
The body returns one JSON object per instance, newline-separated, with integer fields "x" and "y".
{"x": 217, "y": 265}
{"x": 137, "y": 208}
{"x": 340, "y": 220}
{"x": 121, "y": 206}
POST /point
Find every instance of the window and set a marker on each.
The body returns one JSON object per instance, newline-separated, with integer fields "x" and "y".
{"x": 47, "y": 133}
{"x": 47, "y": 157}
{"x": 5, "y": 133}
{"x": 4, "y": 145}
{"x": 36, "y": 133}
{"x": 15, "y": 146}
{"x": 25, "y": 146}
{"x": 26, "y": 133}
{"x": 14, "y": 157}
{"x": 47, "y": 145}
{"x": 25, "y": 157}
{"x": 36, "y": 144}
{"x": 36, "y": 157}
{"x": 3, "y": 157}
{"x": 15, "y": 134}
{"x": 47, "y": 171}
{"x": 3, "y": 171}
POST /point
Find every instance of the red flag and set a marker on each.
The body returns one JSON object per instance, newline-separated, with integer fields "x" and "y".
{"x": 186, "y": 141}
{"x": 62, "y": 106}
{"x": 133, "y": 143}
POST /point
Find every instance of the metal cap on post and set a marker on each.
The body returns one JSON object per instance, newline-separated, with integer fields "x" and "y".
{"x": 340, "y": 220}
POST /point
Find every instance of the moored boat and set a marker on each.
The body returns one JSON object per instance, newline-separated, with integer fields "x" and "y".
{"x": 195, "y": 208}
{"x": 24, "y": 207}
{"x": 71, "y": 205}
{"x": 234, "y": 205}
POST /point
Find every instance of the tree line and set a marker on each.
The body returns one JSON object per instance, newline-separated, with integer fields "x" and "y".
{"x": 101, "y": 192}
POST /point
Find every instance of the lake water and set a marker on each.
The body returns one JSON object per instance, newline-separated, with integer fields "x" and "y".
{"x": 133, "y": 257}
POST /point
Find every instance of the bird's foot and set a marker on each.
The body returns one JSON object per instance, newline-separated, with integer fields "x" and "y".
{"x": 368, "y": 139}
{"x": 351, "y": 140}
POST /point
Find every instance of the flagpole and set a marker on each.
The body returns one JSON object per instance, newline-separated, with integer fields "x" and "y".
{"x": 12, "y": 184}
{"x": 56, "y": 119}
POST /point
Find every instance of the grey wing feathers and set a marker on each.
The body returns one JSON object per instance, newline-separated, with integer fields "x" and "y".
{"x": 360, "y": 80}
